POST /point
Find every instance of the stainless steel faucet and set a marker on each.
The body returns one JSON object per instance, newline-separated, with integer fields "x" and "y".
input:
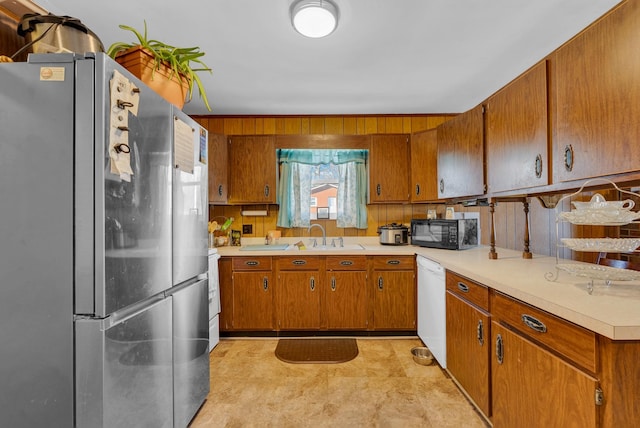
{"x": 324, "y": 234}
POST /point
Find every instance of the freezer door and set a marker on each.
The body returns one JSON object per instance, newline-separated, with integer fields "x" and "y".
{"x": 124, "y": 368}
{"x": 190, "y": 350}
{"x": 190, "y": 198}
{"x": 36, "y": 244}
{"x": 123, "y": 235}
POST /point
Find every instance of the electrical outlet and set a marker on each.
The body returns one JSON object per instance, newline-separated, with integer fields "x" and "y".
{"x": 247, "y": 229}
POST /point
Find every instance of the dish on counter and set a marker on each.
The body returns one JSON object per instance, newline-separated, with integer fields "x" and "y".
{"x": 600, "y": 217}
{"x": 608, "y": 245}
{"x": 598, "y": 202}
{"x": 605, "y": 273}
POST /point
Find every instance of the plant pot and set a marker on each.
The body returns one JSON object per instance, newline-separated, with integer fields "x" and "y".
{"x": 169, "y": 85}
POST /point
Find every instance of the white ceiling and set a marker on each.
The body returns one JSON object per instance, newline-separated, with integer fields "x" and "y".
{"x": 386, "y": 57}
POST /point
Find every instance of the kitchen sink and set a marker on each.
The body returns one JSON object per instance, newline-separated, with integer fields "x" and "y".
{"x": 347, "y": 247}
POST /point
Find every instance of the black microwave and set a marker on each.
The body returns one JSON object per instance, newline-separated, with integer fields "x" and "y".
{"x": 455, "y": 234}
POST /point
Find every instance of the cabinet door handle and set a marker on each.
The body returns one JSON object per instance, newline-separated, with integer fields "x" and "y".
{"x": 378, "y": 190}
{"x": 442, "y": 185}
{"x": 534, "y": 323}
{"x": 480, "y": 332}
{"x": 265, "y": 283}
{"x": 568, "y": 157}
{"x": 380, "y": 283}
{"x": 417, "y": 189}
{"x": 538, "y": 167}
{"x": 220, "y": 190}
{"x": 312, "y": 283}
{"x": 266, "y": 190}
{"x": 499, "y": 349}
{"x": 463, "y": 287}
{"x": 333, "y": 283}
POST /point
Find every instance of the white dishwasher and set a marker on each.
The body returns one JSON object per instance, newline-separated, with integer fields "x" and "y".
{"x": 432, "y": 328}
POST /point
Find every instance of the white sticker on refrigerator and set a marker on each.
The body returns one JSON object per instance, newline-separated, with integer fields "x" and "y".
{"x": 183, "y": 145}
{"x": 124, "y": 99}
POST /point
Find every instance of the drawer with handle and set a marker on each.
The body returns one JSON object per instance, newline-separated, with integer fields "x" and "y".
{"x": 251, "y": 263}
{"x": 346, "y": 262}
{"x": 469, "y": 290}
{"x": 394, "y": 262}
{"x": 300, "y": 263}
{"x": 573, "y": 342}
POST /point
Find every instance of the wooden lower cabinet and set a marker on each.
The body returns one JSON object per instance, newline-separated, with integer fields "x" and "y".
{"x": 298, "y": 301}
{"x": 533, "y": 388}
{"x": 349, "y": 293}
{"x": 468, "y": 348}
{"x": 253, "y": 301}
{"x": 393, "y": 290}
{"x": 346, "y": 293}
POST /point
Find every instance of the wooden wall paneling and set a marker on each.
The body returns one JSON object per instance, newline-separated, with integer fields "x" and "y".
{"x": 540, "y": 218}
{"x": 249, "y": 126}
{"x": 269, "y": 126}
{"x": 395, "y": 214}
{"x": 334, "y": 125}
{"x": 350, "y": 125}
{"x": 316, "y": 125}
{"x": 393, "y": 125}
{"x": 233, "y": 126}
{"x": 370, "y": 125}
{"x": 305, "y": 125}
{"x": 216, "y": 125}
{"x": 292, "y": 125}
{"x": 10, "y": 41}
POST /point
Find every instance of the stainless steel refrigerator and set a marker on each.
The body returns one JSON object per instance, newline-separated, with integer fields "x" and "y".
{"x": 103, "y": 249}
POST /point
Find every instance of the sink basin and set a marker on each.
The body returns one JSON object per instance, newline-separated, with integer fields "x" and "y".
{"x": 347, "y": 247}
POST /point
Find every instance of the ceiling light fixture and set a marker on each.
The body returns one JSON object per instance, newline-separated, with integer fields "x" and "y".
{"x": 314, "y": 18}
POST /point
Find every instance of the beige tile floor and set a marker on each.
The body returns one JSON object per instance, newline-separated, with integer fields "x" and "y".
{"x": 381, "y": 387}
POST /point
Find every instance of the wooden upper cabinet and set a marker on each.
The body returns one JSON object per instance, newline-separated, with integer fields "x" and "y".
{"x": 596, "y": 98}
{"x": 389, "y": 168}
{"x": 424, "y": 164}
{"x": 516, "y": 133}
{"x": 461, "y": 155}
{"x": 252, "y": 169}
{"x": 218, "y": 168}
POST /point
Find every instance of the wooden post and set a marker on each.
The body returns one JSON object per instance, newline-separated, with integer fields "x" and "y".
{"x": 492, "y": 239}
{"x": 526, "y": 254}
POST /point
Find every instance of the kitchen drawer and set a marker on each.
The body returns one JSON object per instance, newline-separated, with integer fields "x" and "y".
{"x": 468, "y": 290}
{"x": 252, "y": 263}
{"x": 346, "y": 263}
{"x": 300, "y": 263}
{"x": 394, "y": 262}
{"x": 574, "y": 342}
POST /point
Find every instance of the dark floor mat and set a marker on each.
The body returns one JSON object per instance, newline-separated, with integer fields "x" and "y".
{"x": 316, "y": 351}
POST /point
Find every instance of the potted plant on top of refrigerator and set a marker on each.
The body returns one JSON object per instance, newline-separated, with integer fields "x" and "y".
{"x": 168, "y": 70}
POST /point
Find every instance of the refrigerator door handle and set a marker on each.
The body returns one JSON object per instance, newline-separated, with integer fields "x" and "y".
{"x": 132, "y": 311}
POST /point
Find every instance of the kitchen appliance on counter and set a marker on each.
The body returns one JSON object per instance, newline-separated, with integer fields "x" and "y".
{"x": 57, "y": 34}
{"x": 394, "y": 234}
{"x": 449, "y": 234}
{"x": 103, "y": 296}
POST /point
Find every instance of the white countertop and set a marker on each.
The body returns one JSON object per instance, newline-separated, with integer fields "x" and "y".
{"x": 612, "y": 311}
